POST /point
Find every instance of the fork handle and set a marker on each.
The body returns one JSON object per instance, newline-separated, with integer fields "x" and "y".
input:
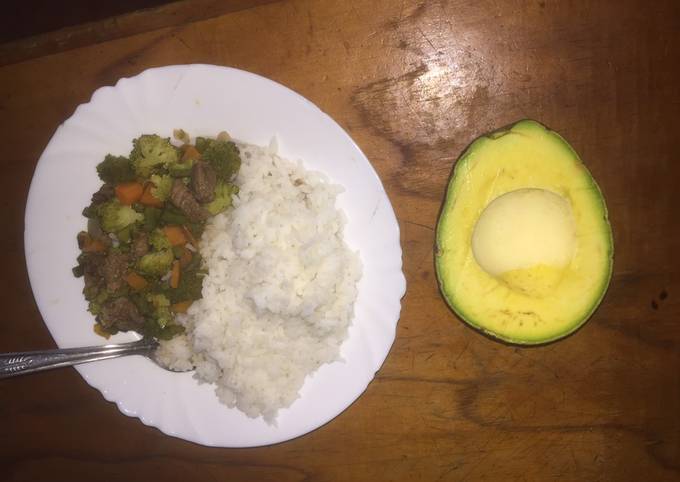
{"x": 20, "y": 363}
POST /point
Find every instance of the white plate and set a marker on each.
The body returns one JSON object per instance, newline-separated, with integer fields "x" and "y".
{"x": 205, "y": 100}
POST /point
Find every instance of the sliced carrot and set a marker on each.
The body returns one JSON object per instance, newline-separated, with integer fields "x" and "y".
{"x": 186, "y": 258}
{"x": 174, "y": 274}
{"x": 88, "y": 244}
{"x": 129, "y": 192}
{"x": 136, "y": 281}
{"x": 190, "y": 152}
{"x": 175, "y": 235}
{"x": 148, "y": 199}
{"x": 101, "y": 331}
{"x": 181, "y": 307}
{"x": 94, "y": 246}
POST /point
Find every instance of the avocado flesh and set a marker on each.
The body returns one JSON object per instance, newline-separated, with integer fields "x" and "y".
{"x": 532, "y": 269}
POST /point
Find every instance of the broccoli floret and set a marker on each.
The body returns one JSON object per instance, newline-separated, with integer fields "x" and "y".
{"x": 115, "y": 169}
{"x": 202, "y": 143}
{"x": 169, "y": 332}
{"x": 159, "y": 240}
{"x": 223, "y": 156}
{"x": 162, "y": 186}
{"x": 152, "y": 329}
{"x": 115, "y": 216}
{"x": 156, "y": 263}
{"x": 151, "y": 152}
{"x": 223, "y": 193}
{"x": 95, "y": 303}
{"x": 161, "y": 309}
{"x": 94, "y": 308}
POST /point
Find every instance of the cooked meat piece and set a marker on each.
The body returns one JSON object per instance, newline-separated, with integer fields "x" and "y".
{"x": 82, "y": 238}
{"x": 92, "y": 264}
{"x": 105, "y": 193}
{"x": 86, "y": 240}
{"x": 122, "y": 314}
{"x": 203, "y": 181}
{"x": 95, "y": 230}
{"x": 114, "y": 269}
{"x": 140, "y": 244}
{"x": 181, "y": 197}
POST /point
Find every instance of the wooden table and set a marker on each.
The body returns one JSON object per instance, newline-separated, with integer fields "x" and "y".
{"x": 413, "y": 83}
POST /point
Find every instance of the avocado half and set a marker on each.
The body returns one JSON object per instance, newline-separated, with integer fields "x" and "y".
{"x": 524, "y": 248}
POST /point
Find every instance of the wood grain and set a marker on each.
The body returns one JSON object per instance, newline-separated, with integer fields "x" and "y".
{"x": 142, "y": 20}
{"x": 413, "y": 83}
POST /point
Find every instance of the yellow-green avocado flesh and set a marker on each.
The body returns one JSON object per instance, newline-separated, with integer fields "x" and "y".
{"x": 524, "y": 249}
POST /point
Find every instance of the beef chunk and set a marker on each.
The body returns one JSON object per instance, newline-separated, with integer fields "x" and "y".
{"x": 91, "y": 264}
{"x": 182, "y": 198}
{"x": 121, "y": 313}
{"x": 140, "y": 244}
{"x": 94, "y": 229}
{"x": 203, "y": 181}
{"x": 114, "y": 270}
{"x": 105, "y": 193}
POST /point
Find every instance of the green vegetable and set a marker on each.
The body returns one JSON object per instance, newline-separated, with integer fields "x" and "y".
{"x": 124, "y": 246}
{"x": 190, "y": 287}
{"x": 152, "y": 217}
{"x": 151, "y": 328}
{"x": 156, "y": 263}
{"x": 172, "y": 215}
{"x": 159, "y": 240}
{"x": 181, "y": 169}
{"x": 170, "y": 332}
{"x": 114, "y": 216}
{"x": 95, "y": 303}
{"x": 161, "y": 307}
{"x": 202, "y": 143}
{"x": 222, "y": 200}
{"x": 163, "y": 186}
{"x": 90, "y": 292}
{"x": 145, "y": 308}
{"x": 104, "y": 331}
{"x": 115, "y": 169}
{"x": 195, "y": 264}
{"x": 124, "y": 234}
{"x": 223, "y": 156}
{"x": 94, "y": 307}
{"x": 196, "y": 229}
{"x": 150, "y": 153}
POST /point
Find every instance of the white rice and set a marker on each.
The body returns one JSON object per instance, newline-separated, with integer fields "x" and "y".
{"x": 280, "y": 292}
